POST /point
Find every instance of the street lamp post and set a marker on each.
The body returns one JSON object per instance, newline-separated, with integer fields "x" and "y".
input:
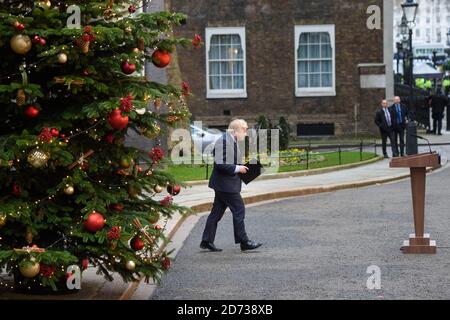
{"x": 409, "y": 17}
{"x": 409, "y": 12}
{"x": 399, "y": 51}
{"x": 405, "y": 44}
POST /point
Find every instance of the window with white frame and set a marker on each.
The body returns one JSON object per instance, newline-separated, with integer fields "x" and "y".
{"x": 315, "y": 73}
{"x": 225, "y": 63}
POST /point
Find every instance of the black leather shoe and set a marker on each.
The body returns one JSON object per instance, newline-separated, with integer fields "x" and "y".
{"x": 210, "y": 246}
{"x": 250, "y": 245}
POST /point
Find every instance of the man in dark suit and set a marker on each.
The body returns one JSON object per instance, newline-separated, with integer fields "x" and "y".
{"x": 385, "y": 120}
{"x": 227, "y": 186}
{"x": 402, "y": 117}
{"x": 438, "y": 102}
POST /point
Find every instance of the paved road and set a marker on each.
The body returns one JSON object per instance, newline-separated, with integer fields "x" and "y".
{"x": 319, "y": 247}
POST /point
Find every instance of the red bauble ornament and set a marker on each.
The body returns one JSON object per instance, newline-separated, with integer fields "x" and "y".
{"x": 16, "y": 190}
{"x": 42, "y": 42}
{"x": 36, "y": 39}
{"x": 127, "y": 67}
{"x": 31, "y": 111}
{"x": 117, "y": 207}
{"x": 117, "y": 121}
{"x": 85, "y": 73}
{"x": 85, "y": 264}
{"x": 173, "y": 190}
{"x": 166, "y": 263}
{"x": 54, "y": 132}
{"x": 161, "y": 58}
{"x": 94, "y": 222}
{"x": 137, "y": 243}
{"x": 132, "y": 9}
{"x": 47, "y": 270}
{"x": 109, "y": 138}
{"x": 19, "y": 26}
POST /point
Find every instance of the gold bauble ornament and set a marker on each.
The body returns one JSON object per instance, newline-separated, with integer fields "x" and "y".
{"x": 154, "y": 218}
{"x": 38, "y": 158}
{"x": 69, "y": 190}
{"x": 130, "y": 265}
{"x": 136, "y": 50}
{"x": 134, "y": 191}
{"x": 2, "y": 220}
{"x": 29, "y": 269}
{"x": 62, "y": 57}
{"x": 20, "y": 44}
{"x": 158, "y": 188}
{"x": 153, "y": 132}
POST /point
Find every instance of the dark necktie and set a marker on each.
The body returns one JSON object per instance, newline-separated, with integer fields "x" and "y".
{"x": 399, "y": 114}
{"x": 388, "y": 116}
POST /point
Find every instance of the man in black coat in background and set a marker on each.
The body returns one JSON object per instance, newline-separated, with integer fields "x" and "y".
{"x": 438, "y": 102}
{"x": 227, "y": 187}
{"x": 385, "y": 120}
{"x": 402, "y": 117}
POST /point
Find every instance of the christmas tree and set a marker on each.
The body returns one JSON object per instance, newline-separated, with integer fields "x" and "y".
{"x": 70, "y": 89}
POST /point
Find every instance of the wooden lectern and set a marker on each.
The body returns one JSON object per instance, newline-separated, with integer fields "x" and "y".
{"x": 419, "y": 242}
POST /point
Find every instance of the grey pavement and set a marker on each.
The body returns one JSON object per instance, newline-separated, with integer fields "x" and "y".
{"x": 319, "y": 247}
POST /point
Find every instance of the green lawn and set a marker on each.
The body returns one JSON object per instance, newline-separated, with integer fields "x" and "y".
{"x": 198, "y": 172}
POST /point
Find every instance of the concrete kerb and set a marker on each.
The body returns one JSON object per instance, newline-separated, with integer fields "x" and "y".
{"x": 205, "y": 207}
{"x": 302, "y": 173}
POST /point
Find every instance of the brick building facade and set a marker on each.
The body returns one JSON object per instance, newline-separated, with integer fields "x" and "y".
{"x": 314, "y": 62}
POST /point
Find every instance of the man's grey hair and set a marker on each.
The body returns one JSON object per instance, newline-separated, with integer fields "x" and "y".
{"x": 236, "y": 124}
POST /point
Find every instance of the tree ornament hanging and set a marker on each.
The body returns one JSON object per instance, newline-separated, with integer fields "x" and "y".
{"x": 117, "y": 207}
{"x": 132, "y": 9}
{"x": 166, "y": 263}
{"x": 157, "y": 188}
{"x": 69, "y": 190}
{"x": 134, "y": 191}
{"x": 154, "y": 217}
{"x": 127, "y": 67}
{"x": 16, "y": 190}
{"x": 173, "y": 190}
{"x": 19, "y": 26}
{"x": 157, "y": 103}
{"x": 29, "y": 269}
{"x": 82, "y": 159}
{"x": 130, "y": 265}
{"x": 21, "y": 97}
{"x": 94, "y": 222}
{"x": 161, "y": 58}
{"x": 62, "y": 58}
{"x": 54, "y": 132}
{"x": 20, "y": 44}
{"x": 31, "y": 112}
{"x": 137, "y": 243}
{"x": 36, "y": 39}
{"x": 38, "y": 158}
{"x": 2, "y": 220}
{"x": 117, "y": 121}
